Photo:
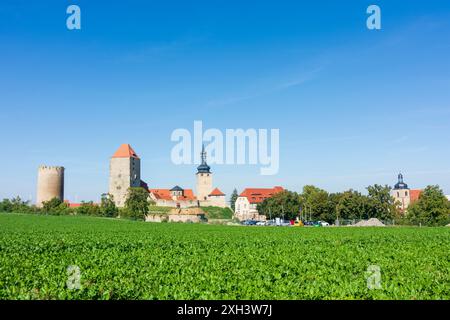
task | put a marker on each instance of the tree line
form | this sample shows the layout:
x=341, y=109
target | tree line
x=136, y=206
x=431, y=209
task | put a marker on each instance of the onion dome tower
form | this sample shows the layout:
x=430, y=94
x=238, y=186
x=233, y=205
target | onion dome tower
x=204, y=178
x=400, y=185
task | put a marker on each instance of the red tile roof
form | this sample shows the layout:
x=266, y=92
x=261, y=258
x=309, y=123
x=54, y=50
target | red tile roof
x=414, y=195
x=75, y=205
x=164, y=194
x=216, y=192
x=125, y=151
x=258, y=195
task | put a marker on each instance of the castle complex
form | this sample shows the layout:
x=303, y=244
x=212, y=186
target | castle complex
x=125, y=173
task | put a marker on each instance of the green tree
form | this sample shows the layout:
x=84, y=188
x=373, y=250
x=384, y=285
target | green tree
x=108, y=206
x=137, y=203
x=6, y=206
x=284, y=204
x=431, y=209
x=352, y=205
x=15, y=205
x=233, y=199
x=55, y=206
x=333, y=201
x=315, y=204
x=381, y=204
x=89, y=209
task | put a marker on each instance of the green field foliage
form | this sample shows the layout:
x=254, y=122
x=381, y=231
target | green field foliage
x=159, y=210
x=123, y=259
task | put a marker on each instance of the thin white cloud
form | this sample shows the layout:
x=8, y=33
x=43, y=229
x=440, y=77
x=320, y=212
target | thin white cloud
x=307, y=76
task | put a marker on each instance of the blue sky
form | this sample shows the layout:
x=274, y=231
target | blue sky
x=353, y=106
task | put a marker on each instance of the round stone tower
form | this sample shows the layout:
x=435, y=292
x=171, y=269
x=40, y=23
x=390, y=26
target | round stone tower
x=50, y=184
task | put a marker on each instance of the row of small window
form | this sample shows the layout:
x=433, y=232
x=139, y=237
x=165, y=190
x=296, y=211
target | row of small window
x=398, y=194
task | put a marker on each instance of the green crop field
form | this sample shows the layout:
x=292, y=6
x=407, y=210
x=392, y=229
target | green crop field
x=119, y=259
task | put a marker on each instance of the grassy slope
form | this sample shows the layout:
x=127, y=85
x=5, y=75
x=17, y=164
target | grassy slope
x=211, y=212
x=159, y=210
x=136, y=260
x=218, y=213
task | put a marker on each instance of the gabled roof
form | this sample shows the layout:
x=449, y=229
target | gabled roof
x=258, y=195
x=125, y=151
x=177, y=188
x=414, y=195
x=164, y=194
x=216, y=192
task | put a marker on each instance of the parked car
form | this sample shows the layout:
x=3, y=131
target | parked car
x=270, y=223
x=261, y=223
x=324, y=224
x=298, y=223
x=313, y=223
x=249, y=223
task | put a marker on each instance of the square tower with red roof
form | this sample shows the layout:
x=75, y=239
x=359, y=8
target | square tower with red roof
x=124, y=173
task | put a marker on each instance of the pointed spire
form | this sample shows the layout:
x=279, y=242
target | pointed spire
x=203, y=167
x=203, y=154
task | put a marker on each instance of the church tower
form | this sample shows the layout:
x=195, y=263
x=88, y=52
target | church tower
x=401, y=193
x=204, y=178
x=124, y=173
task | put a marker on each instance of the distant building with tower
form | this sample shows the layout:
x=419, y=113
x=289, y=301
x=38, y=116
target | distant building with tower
x=185, y=198
x=50, y=184
x=125, y=172
x=204, y=178
x=403, y=195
